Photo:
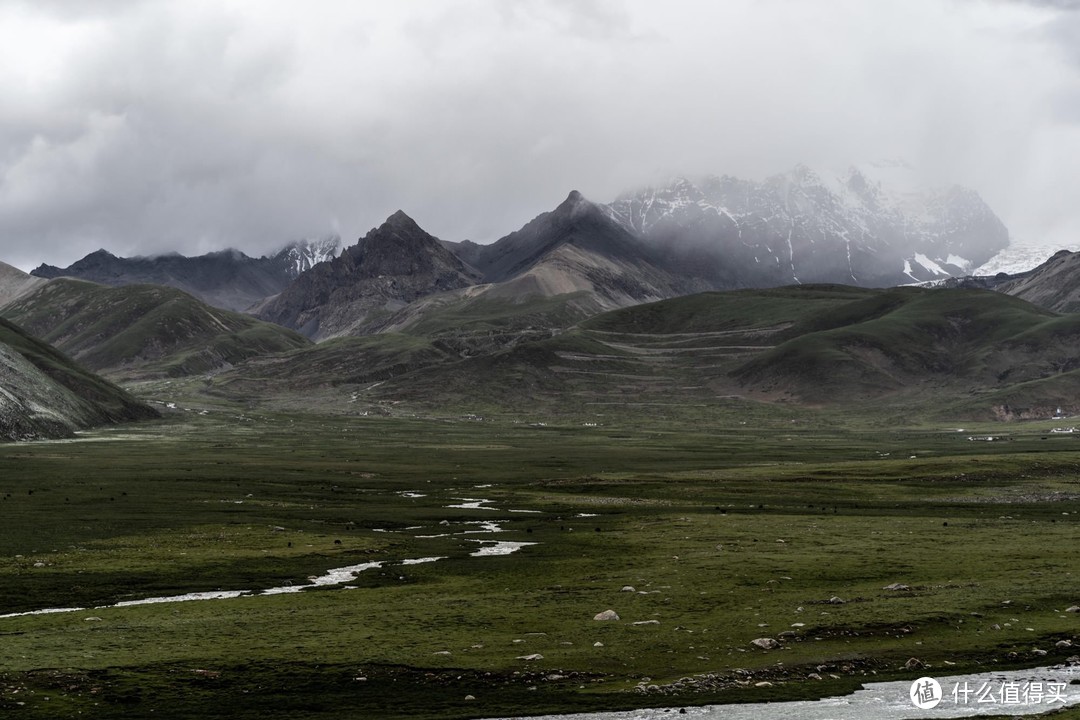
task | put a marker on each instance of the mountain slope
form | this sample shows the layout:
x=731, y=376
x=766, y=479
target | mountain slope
x=44, y=394
x=873, y=226
x=15, y=283
x=388, y=268
x=910, y=340
x=143, y=330
x=578, y=247
x=1054, y=285
x=967, y=352
x=228, y=279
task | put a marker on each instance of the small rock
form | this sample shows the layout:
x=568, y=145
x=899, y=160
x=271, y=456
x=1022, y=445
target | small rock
x=896, y=586
x=1074, y=608
x=995, y=626
x=763, y=683
x=766, y=643
x=598, y=644
x=787, y=634
x=1063, y=644
x=835, y=601
x=445, y=523
x=627, y=588
x=39, y=564
x=470, y=697
x=813, y=676
x=646, y=622
x=92, y=619
x=442, y=652
x=1038, y=652
x=606, y=615
x=534, y=656
x=914, y=664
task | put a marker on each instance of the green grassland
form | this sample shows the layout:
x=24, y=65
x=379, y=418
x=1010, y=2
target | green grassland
x=744, y=524
x=140, y=331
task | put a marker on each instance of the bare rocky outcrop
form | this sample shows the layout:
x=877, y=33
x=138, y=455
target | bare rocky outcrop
x=390, y=267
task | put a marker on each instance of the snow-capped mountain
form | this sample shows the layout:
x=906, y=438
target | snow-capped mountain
x=1021, y=256
x=871, y=225
x=302, y=255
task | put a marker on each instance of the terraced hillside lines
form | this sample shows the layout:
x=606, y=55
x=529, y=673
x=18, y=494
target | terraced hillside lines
x=670, y=364
x=144, y=330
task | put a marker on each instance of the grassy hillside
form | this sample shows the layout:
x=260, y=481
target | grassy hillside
x=144, y=330
x=724, y=311
x=909, y=339
x=45, y=394
x=930, y=351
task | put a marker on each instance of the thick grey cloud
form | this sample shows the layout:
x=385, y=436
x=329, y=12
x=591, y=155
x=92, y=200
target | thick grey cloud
x=193, y=125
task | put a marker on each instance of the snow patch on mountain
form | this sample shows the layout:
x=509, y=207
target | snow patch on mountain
x=1021, y=256
x=877, y=224
x=302, y=255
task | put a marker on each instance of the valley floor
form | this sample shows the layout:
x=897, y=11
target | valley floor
x=452, y=567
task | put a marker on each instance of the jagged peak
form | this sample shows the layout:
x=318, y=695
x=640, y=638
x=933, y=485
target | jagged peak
x=572, y=200
x=401, y=220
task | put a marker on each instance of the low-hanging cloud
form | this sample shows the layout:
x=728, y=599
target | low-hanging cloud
x=190, y=125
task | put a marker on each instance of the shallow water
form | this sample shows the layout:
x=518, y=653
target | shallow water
x=886, y=701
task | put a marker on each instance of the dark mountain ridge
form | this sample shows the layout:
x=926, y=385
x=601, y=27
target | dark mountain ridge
x=227, y=279
x=393, y=265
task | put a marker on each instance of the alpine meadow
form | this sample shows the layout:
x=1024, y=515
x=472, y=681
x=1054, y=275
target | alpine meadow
x=565, y=361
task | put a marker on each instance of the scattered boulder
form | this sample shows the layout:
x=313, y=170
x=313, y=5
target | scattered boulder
x=470, y=697
x=598, y=644
x=766, y=643
x=763, y=683
x=534, y=656
x=627, y=588
x=1039, y=652
x=914, y=664
x=1063, y=644
x=606, y=615
x=1073, y=609
x=896, y=586
x=834, y=600
x=647, y=622
x=787, y=634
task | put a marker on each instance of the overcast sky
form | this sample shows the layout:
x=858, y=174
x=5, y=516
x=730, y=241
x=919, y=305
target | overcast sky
x=149, y=126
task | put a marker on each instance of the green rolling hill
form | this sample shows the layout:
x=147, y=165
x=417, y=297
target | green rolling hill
x=140, y=331
x=44, y=394
x=951, y=351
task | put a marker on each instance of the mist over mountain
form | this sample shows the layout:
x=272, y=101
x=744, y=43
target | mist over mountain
x=872, y=226
x=876, y=225
x=227, y=279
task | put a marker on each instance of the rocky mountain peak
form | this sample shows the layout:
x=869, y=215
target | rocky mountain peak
x=399, y=220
